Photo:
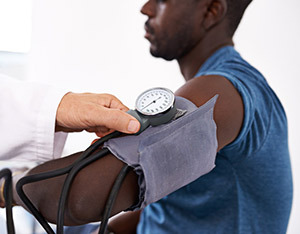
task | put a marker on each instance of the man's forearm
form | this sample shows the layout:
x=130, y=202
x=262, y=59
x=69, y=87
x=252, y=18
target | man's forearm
x=88, y=193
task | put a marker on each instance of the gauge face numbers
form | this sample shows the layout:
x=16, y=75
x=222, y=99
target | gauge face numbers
x=155, y=101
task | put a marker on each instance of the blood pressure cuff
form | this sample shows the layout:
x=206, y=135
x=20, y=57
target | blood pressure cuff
x=170, y=156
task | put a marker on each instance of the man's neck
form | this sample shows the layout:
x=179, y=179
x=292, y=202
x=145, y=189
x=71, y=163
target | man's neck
x=191, y=62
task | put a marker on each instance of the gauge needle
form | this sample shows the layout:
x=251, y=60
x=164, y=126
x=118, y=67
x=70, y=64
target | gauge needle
x=151, y=102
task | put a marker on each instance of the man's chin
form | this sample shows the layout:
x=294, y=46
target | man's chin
x=155, y=54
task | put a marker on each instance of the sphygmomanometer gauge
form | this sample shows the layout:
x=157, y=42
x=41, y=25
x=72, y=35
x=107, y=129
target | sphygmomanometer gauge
x=155, y=101
x=154, y=107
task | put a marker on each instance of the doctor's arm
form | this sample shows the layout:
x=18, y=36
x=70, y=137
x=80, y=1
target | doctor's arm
x=91, y=186
x=31, y=112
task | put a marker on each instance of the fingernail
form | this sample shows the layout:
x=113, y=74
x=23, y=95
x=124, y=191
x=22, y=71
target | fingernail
x=133, y=126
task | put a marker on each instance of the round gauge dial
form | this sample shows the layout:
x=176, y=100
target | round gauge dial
x=155, y=101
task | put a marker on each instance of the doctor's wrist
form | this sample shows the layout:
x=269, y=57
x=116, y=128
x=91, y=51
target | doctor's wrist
x=16, y=174
x=2, y=199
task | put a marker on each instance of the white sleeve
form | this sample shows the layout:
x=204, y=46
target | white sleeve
x=27, y=122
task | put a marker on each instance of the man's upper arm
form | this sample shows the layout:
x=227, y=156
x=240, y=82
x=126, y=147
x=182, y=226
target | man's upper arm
x=228, y=111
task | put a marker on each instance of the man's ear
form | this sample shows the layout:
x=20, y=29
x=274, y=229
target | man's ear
x=216, y=12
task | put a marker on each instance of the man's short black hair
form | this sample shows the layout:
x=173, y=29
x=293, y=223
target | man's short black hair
x=235, y=12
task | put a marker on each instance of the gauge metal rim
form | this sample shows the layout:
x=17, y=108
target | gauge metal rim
x=156, y=88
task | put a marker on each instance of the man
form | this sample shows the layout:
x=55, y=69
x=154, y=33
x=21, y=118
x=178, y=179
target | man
x=250, y=189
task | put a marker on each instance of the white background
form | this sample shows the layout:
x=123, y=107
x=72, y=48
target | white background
x=15, y=25
x=98, y=46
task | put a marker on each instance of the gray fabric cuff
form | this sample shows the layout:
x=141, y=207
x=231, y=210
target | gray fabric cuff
x=170, y=156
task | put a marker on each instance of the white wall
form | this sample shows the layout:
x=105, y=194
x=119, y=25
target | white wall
x=98, y=46
x=15, y=25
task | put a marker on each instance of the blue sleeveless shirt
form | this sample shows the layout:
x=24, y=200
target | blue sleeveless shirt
x=250, y=189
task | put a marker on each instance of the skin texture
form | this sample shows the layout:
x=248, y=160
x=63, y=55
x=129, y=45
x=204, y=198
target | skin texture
x=99, y=113
x=188, y=31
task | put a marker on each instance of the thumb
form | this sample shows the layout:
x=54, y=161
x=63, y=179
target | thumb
x=120, y=121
